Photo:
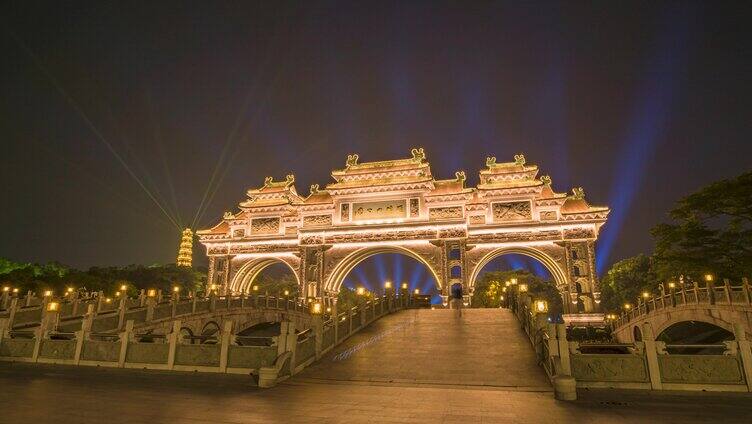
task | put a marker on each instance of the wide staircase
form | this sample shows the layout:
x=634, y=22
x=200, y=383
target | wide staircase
x=482, y=347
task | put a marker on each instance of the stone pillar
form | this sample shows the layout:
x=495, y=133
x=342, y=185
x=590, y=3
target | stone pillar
x=226, y=340
x=29, y=296
x=335, y=320
x=745, y=353
x=173, y=339
x=83, y=334
x=651, y=353
x=317, y=325
x=125, y=337
x=12, y=312
x=565, y=386
x=151, y=303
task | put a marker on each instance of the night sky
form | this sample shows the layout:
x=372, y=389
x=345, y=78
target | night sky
x=114, y=116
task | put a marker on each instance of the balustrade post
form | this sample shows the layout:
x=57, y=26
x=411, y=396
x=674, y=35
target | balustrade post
x=150, y=305
x=122, y=307
x=745, y=353
x=174, y=305
x=173, y=339
x=335, y=320
x=29, y=295
x=125, y=337
x=727, y=289
x=194, y=299
x=83, y=334
x=12, y=312
x=6, y=300
x=651, y=353
x=224, y=350
x=159, y=296
x=710, y=286
x=696, y=289
x=142, y=298
x=745, y=287
x=266, y=300
x=212, y=302
x=350, y=315
x=317, y=325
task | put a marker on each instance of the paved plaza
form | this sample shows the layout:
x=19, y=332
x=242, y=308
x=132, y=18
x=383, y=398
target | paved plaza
x=411, y=372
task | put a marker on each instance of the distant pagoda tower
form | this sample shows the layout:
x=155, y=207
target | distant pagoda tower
x=185, y=254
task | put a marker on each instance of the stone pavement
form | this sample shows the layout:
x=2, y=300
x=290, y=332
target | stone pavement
x=360, y=388
x=483, y=347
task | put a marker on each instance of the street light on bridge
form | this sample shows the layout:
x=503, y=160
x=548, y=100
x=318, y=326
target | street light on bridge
x=541, y=306
x=360, y=291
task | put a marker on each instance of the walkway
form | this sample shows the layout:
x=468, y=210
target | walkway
x=484, y=347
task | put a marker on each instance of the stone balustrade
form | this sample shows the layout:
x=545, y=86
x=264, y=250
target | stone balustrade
x=269, y=359
x=647, y=364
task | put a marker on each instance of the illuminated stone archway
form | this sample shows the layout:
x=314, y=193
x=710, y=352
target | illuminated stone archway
x=398, y=206
x=342, y=268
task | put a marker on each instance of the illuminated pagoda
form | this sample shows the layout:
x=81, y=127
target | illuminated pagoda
x=185, y=253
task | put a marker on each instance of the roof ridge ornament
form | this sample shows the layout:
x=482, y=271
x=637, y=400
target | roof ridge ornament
x=460, y=177
x=519, y=159
x=314, y=189
x=490, y=161
x=268, y=181
x=352, y=160
x=418, y=154
x=546, y=180
x=228, y=215
x=578, y=193
x=289, y=180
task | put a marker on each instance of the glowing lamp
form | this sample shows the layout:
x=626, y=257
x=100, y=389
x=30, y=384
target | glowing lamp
x=504, y=289
x=287, y=292
x=255, y=288
x=645, y=295
x=360, y=291
x=316, y=308
x=541, y=306
x=513, y=281
x=6, y=289
x=671, y=285
x=123, y=287
x=108, y=300
x=15, y=290
x=53, y=307
x=507, y=283
x=213, y=287
x=117, y=294
x=151, y=293
x=627, y=306
x=69, y=290
x=523, y=288
x=709, y=277
x=404, y=286
x=388, y=285
x=310, y=300
x=501, y=298
x=416, y=291
x=328, y=309
x=47, y=293
x=176, y=289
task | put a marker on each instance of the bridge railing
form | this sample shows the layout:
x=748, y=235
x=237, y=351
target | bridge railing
x=269, y=359
x=648, y=364
x=690, y=294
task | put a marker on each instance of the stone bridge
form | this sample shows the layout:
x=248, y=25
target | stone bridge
x=723, y=306
x=185, y=334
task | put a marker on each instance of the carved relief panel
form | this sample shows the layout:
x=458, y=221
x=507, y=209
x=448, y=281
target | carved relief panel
x=344, y=212
x=512, y=211
x=265, y=226
x=446, y=212
x=414, y=208
x=317, y=220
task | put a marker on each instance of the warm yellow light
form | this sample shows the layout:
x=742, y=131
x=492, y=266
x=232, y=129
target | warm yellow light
x=645, y=294
x=53, y=307
x=151, y=293
x=310, y=299
x=328, y=309
x=124, y=287
x=627, y=306
x=255, y=288
x=176, y=289
x=523, y=288
x=502, y=298
x=416, y=291
x=514, y=281
x=404, y=286
x=361, y=291
x=507, y=283
x=316, y=308
x=69, y=290
x=541, y=306
x=213, y=287
x=671, y=285
x=708, y=277
x=117, y=294
x=287, y=292
x=504, y=289
x=388, y=285
x=6, y=289
x=47, y=293
x=108, y=300
x=15, y=290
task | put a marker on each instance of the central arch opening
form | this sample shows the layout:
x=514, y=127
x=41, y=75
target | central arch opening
x=267, y=276
x=376, y=269
x=491, y=290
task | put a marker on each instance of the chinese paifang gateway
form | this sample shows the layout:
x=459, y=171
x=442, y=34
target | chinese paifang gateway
x=397, y=206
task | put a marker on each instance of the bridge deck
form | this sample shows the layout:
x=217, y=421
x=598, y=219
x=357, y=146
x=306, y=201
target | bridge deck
x=483, y=347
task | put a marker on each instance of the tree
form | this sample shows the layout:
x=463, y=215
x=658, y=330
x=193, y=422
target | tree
x=711, y=233
x=625, y=281
x=490, y=285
